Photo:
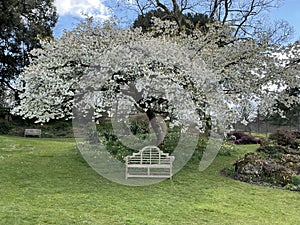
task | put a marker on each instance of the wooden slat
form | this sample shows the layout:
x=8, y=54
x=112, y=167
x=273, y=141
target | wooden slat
x=148, y=176
x=149, y=166
x=150, y=157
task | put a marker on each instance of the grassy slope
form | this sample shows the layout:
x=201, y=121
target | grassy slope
x=47, y=182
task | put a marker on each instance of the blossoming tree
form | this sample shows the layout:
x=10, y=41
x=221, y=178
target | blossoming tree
x=181, y=77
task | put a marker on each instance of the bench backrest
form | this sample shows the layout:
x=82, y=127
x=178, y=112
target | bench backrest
x=149, y=155
x=32, y=132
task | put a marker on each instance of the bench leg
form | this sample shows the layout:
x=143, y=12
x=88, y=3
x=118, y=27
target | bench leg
x=126, y=172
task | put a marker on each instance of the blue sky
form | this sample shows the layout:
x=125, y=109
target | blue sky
x=289, y=11
x=70, y=13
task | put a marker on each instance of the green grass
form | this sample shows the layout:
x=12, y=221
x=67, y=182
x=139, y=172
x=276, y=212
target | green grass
x=259, y=135
x=45, y=181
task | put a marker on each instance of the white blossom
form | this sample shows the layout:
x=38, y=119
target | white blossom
x=195, y=73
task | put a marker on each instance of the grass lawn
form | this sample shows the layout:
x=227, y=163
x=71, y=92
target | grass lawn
x=45, y=181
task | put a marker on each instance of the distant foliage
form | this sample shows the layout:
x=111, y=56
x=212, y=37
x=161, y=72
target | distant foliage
x=190, y=21
x=5, y=126
x=239, y=137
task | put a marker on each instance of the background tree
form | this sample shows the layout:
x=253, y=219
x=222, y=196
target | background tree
x=287, y=108
x=248, y=17
x=22, y=24
x=190, y=21
x=291, y=115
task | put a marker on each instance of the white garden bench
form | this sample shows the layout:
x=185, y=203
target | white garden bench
x=150, y=162
x=32, y=132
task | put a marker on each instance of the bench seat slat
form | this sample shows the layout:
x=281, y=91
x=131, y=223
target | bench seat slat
x=148, y=166
x=149, y=176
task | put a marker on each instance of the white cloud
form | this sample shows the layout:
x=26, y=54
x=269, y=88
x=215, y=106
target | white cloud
x=130, y=2
x=95, y=8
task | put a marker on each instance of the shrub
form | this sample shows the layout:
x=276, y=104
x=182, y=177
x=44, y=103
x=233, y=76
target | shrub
x=264, y=141
x=283, y=137
x=5, y=126
x=248, y=139
x=229, y=171
x=139, y=127
x=170, y=141
x=106, y=132
x=139, y=124
x=296, y=144
x=242, y=138
x=237, y=134
x=56, y=128
x=110, y=136
x=227, y=149
x=271, y=149
x=295, y=180
x=296, y=134
x=118, y=150
x=202, y=143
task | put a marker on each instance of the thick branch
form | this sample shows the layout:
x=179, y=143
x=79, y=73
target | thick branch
x=155, y=124
x=213, y=10
x=245, y=18
x=164, y=7
x=226, y=11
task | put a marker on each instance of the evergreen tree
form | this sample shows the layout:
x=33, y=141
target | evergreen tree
x=22, y=24
x=189, y=21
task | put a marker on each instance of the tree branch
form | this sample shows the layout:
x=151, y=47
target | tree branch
x=226, y=11
x=213, y=10
x=164, y=7
x=245, y=18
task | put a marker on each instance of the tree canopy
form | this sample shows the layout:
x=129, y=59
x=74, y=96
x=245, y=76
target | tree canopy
x=172, y=75
x=190, y=21
x=22, y=24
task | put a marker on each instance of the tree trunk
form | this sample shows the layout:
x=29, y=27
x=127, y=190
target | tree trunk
x=156, y=125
